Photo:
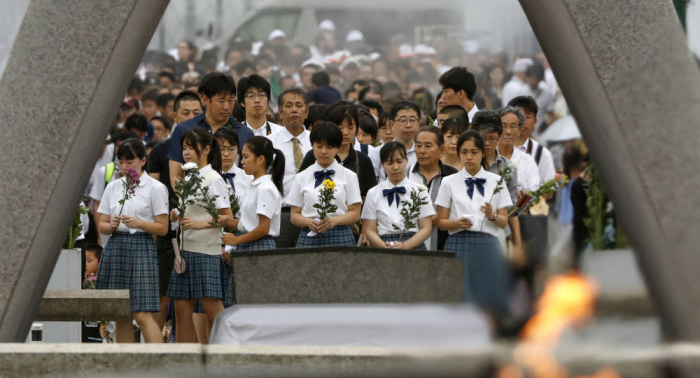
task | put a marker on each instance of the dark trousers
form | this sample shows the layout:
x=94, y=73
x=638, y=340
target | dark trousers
x=288, y=232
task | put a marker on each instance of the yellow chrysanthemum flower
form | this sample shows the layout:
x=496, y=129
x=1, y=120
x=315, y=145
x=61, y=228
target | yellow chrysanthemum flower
x=328, y=184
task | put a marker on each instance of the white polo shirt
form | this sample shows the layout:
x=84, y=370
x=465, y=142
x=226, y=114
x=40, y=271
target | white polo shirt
x=546, y=165
x=150, y=199
x=373, y=153
x=453, y=195
x=262, y=131
x=528, y=173
x=377, y=207
x=241, y=183
x=304, y=193
x=282, y=140
x=263, y=198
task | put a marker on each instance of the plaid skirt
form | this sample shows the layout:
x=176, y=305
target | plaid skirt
x=131, y=262
x=266, y=242
x=486, y=279
x=336, y=236
x=406, y=236
x=204, y=277
x=226, y=287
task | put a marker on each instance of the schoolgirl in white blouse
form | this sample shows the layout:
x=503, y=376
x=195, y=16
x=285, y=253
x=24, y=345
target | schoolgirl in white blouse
x=334, y=230
x=130, y=260
x=202, y=253
x=382, y=210
x=473, y=211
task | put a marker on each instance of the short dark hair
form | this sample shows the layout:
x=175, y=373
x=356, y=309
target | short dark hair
x=150, y=95
x=369, y=125
x=164, y=99
x=478, y=140
x=439, y=136
x=136, y=84
x=96, y=249
x=124, y=135
x=244, y=65
x=252, y=81
x=227, y=133
x=364, y=92
x=328, y=133
x=317, y=112
x=455, y=111
x=185, y=96
x=389, y=150
x=130, y=149
x=536, y=70
x=167, y=74
x=292, y=91
x=384, y=117
x=373, y=104
x=320, y=79
x=454, y=126
x=526, y=103
x=215, y=83
x=341, y=111
x=487, y=121
x=168, y=125
x=136, y=122
x=459, y=79
x=404, y=105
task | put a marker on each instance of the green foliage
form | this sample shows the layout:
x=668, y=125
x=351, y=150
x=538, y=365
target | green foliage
x=326, y=198
x=603, y=226
x=76, y=228
x=410, y=211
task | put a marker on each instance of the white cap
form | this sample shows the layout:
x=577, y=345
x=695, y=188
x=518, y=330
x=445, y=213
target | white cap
x=522, y=64
x=327, y=25
x=355, y=36
x=405, y=51
x=277, y=33
x=422, y=49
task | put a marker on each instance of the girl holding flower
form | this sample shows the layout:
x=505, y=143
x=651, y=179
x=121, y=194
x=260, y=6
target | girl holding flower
x=344, y=200
x=205, y=264
x=132, y=209
x=472, y=206
x=261, y=206
x=398, y=212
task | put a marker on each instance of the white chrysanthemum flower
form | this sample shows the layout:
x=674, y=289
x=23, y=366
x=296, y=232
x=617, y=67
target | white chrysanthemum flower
x=512, y=165
x=188, y=166
x=421, y=188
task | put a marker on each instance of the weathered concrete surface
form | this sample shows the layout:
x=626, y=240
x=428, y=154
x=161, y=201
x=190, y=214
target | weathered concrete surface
x=634, y=88
x=346, y=275
x=69, y=68
x=84, y=305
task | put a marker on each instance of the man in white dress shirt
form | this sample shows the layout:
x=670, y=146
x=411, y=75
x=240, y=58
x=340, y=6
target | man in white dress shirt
x=525, y=143
x=516, y=86
x=254, y=95
x=405, y=120
x=458, y=88
x=293, y=141
x=528, y=174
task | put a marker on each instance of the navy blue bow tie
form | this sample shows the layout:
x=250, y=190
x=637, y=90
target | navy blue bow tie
x=479, y=182
x=392, y=193
x=322, y=176
x=229, y=177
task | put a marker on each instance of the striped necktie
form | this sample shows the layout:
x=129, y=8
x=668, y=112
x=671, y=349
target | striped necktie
x=298, y=156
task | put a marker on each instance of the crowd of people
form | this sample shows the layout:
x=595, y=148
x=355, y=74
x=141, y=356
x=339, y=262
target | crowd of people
x=408, y=147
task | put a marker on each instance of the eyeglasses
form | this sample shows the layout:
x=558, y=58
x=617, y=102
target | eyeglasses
x=254, y=95
x=403, y=121
x=491, y=140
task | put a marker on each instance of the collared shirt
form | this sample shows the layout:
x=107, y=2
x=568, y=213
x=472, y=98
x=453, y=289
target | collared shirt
x=356, y=161
x=263, y=130
x=498, y=166
x=437, y=238
x=472, y=112
x=528, y=173
x=544, y=98
x=453, y=195
x=377, y=207
x=514, y=88
x=304, y=192
x=241, y=183
x=149, y=200
x=175, y=150
x=264, y=199
x=546, y=163
x=373, y=153
x=282, y=140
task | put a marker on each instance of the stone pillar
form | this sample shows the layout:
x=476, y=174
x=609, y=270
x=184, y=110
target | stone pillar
x=68, y=71
x=634, y=89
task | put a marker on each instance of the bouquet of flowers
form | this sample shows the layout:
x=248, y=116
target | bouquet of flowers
x=410, y=209
x=505, y=177
x=90, y=282
x=186, y=188
x=326, y=202
x=130, y=184
x=534, y=197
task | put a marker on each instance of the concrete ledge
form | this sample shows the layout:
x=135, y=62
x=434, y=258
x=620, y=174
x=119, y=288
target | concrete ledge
x=84, y=305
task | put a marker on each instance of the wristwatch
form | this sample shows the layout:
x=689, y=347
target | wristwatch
x=495, y=217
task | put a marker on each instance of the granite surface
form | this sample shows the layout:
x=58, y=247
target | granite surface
x=67, y=73
x=346, y=275
x=84, y=305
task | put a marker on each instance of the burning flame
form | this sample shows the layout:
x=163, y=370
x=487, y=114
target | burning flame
x=568, y=300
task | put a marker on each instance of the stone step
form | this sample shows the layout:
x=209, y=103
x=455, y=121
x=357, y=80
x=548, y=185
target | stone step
x=84, y=305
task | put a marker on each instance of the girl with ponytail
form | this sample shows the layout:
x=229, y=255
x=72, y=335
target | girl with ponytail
x=261, y=206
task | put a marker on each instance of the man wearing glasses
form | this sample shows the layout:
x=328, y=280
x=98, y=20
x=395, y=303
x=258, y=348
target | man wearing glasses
x=253, y=95
x=405, y=120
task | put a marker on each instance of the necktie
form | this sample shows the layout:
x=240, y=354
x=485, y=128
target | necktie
x=479, y=182
x=393, y=193
x=229, y=177
x=298, y=156
x=321, y=176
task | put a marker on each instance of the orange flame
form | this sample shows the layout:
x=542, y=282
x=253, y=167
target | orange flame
x=568, y=300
